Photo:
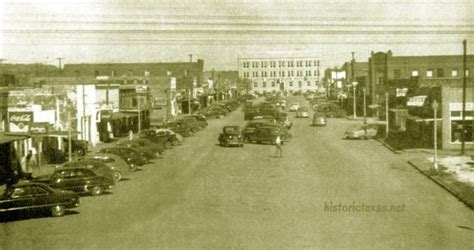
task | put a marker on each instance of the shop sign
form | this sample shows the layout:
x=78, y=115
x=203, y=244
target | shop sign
x=21, y=116
x=402, y=92
x=457, y=106
x=416, y=101
x=141, y=89
x=39, y=128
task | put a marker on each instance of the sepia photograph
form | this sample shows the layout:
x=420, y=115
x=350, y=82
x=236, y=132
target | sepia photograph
x=236, y=124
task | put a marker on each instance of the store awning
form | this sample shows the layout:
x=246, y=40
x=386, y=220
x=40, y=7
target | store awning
x=10, y=138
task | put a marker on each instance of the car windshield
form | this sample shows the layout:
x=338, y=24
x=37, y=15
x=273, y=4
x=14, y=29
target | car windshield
x=231, y=130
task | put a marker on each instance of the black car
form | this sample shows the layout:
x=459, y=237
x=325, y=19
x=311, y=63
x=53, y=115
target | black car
x=265, y=134
x=130, y=155
x=144, y=151
x=230, y=136
x=31, y=196
x=178, y=129
x=78, y=179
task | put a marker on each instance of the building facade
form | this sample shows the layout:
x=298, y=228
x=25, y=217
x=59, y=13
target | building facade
x=281, y=74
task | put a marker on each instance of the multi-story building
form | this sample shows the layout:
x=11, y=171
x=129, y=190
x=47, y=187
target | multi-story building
x=268, y=75
x=388, y=72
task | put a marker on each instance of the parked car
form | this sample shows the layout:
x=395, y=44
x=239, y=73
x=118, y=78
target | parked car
x=78, y=179
x=230, y=136
x=319, y=119
x=264, y=134
x=178, y=129
x=163, y=139
x=190, y=122
x=294, y=107
x=131, y=156
x=29, y=196
x=119, y=167
x=302, y=112
x=144, y=142
x=98, y=167
x=146, y=152
x=361, y=131
x=179, y=139
x=201, y=119
x=214, y=112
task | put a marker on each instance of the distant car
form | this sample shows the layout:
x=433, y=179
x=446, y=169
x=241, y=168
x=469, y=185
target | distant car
x=319, y=120
x=302, y=112
x=131, y=156
x=119, y=167
x=361, y=131
x=31, y=196
x=78, y=179
x=151, y=134
x=201, y=119
x=294, y=107
x=285, y=135
x=178, y=129
x=230, y=136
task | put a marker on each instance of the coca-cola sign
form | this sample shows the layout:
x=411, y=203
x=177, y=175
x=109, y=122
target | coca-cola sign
x=20, y=116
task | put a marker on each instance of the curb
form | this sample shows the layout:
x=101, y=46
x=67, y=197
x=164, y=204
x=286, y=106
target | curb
x=395, y=151
x=444, y=186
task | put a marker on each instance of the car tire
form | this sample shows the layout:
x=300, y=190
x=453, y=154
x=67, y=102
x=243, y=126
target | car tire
x=96, y=190
x=175, y=143
x=58, y=211
x=80, y=152
x=168, y=145
x=117, y=176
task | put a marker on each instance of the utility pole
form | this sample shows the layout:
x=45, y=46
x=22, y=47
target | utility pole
x=435, y=135
x=189, y=101
x=365, y=105
x=69, y=139
x=386, y=114
x=139, y=114
x=60, y=59
x=463, y=136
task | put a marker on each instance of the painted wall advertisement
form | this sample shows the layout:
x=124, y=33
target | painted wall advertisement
x=20, y=121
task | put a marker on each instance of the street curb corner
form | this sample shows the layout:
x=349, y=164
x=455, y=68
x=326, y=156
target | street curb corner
x=443, y=185
x=395, y=151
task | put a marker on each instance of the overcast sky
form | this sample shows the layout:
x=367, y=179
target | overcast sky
x=220, y=31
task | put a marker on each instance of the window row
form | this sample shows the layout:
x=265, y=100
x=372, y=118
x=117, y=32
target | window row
x=282, y=73
x=431, y=73
x=290, y=84
x=281, y=64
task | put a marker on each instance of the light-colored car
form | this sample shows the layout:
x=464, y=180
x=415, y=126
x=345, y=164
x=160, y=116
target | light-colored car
x=302, y=112
x=294, y=106
x=319, y=120
x=119, y=166
x=361, y=131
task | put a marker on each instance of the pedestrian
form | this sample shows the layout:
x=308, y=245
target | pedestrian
x=130, y=135
x=278, y=144
x=25, y=163
x=34, y=158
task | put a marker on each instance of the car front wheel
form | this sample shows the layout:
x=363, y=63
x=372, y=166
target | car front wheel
x=58, y=211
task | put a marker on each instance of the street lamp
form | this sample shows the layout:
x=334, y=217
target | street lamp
x=435, y=160
x=354, y=84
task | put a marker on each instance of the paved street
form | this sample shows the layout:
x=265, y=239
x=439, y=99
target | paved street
x=201, y=195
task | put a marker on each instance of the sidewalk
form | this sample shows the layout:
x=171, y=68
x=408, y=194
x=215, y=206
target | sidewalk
x=455, y=175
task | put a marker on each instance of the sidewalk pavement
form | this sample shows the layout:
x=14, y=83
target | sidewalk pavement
x=455, y=174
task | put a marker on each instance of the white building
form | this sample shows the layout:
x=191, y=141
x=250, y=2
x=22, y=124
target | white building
x=281, y=74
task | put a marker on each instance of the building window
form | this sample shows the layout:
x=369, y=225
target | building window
x=273, y=84
x=255, y=85
x=439, y=72
x=429, y=73
x=264, y=84
x=291, y=84
x=397, y=73
x=454, y=73
x=300, y=84
x=309, y=84
x=414, y=72
x=290, y=63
